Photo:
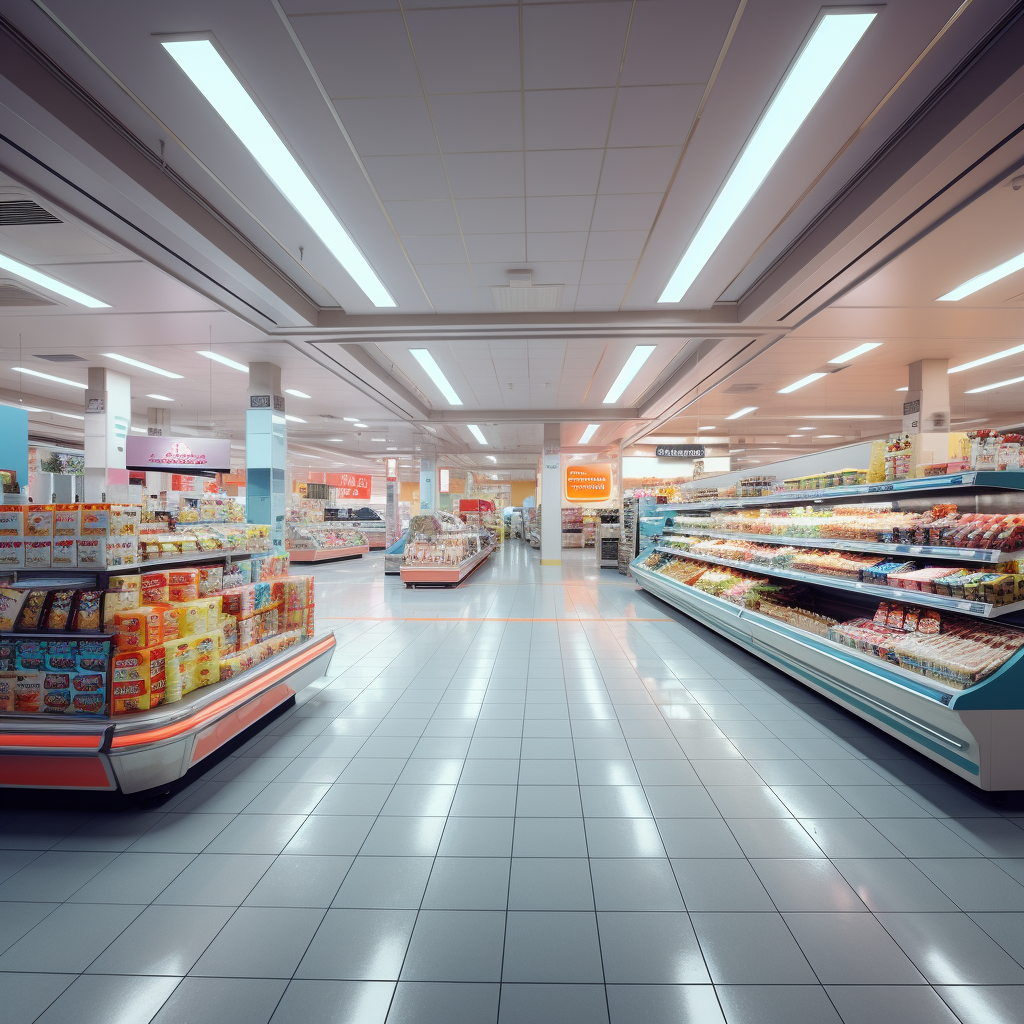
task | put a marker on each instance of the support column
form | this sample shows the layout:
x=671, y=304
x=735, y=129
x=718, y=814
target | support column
x=926, y=410
x=108, y=414
x=428, y=485
x=266, y=450
x=14, y=444
x=158, y=422
x=551, y=496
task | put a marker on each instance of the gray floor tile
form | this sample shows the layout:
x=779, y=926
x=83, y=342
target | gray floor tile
x=477, y=837
x=777, y=1004
x=804, y=884
x=334, y=835
x=55, y=875
x=548, y=802
x=975, y=885
x=663, y=1004
x=867, y=1004
x=229, y=796
x=16, y=919
x=384, y=883
x=217, y=880
x=25, y=996
x=1007, y=929
x=222, y=1001
x=881, y=802
x=106, y=999
x=404, y=837
x=549, y=837
x=993, y=837
x=553, y=1004
x=751, y=949
x=893, y=885
x=468, y=883
x=636, y=883
x=925, y=837
x=731, y=772
x=773, y=837
x=133, y=878
x=484, y=802
x=650, y=949
x=814, y=802
x=984, y=1004
x=623, y=837
x=494, y=771
x=257, y=833
x=312, y=769
x=359, y=945
x=181, y=833
x=259, y=942
x=354, y=798
x=293, y=881
x=340, y=1002
x=456, y=945
x=12, y=861
x=850, y=837
x=698, y=837
x=540, y=772
x=418, y=800
x=110, y=831
x=554, y=947
x=431, y=1002
x=681, y=802
x=748, y=802
x=786, y=773
x=721, y=885
x=550, y=883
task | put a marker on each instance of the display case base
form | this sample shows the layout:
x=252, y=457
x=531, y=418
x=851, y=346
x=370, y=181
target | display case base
x=140, y=752
x=442, y=575
x=327, y=554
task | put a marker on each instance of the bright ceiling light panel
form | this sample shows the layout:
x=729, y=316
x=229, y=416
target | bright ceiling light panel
x=380, y=439
x=294, y=419
x=903, y=389
x=637, y=358
x=476, y=432
x=427, y=361
x=987, y=359
x=817, y=63
x=223, y=360
x=998, y=384
x=66, y=415
x=742, y=412
x=858, y=351
x=210, y=74
x=139, y=430
x=707, y=428
x=142, y=366
x=50, y=283
x=975, y=284
x=161, y=398
x=493, y=458
x=350, y=419
x=297, y=394
x=50, y=376
x=361, y=426
x=589, y=432
x=801, y=383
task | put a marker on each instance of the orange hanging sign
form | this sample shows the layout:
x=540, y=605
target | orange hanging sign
x=588, y=483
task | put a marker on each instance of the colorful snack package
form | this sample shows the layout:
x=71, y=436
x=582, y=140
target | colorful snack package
x=32, y=610
x=88, y=610
x=39, y=521
x=58, y=609
x=10, y=605
x=95, y=521
x=65, y=521
x=881, y=614
x=64, y=553
x=56, y=693
x=155, y=588
x=28, y=693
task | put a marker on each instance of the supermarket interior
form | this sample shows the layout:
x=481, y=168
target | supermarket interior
x=513, y=512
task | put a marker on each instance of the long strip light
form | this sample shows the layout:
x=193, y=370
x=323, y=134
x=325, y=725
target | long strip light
x=294, y=419
x=998, y=384
x=223, y=360
x=297, y=394
x=817, y=63
x=141, y=365
x=742, y=412
x=975, y=284
x=476, y=432
x=50, y=283
x=50, y=376
x=801, y=383
x=987, y=359
x=858, y=351
x=637, y=358
x=589, y=432
x=427, y=361
x=161, y=398
x=210, y=74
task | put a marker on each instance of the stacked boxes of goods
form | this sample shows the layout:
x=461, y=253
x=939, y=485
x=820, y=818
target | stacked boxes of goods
x=54, y=675
x=68, y=536
x=157, y=541
x=572, y=527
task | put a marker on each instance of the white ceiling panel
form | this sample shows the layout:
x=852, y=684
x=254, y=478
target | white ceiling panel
x=646, y=169
x=615, y=245
x=479, y=123
x=408, y=177
x=507, y=248
x=563, y=172
x=572, y=118
x=625, y=212
x=445, y=275
x=491, y=216
x=543, y=273
x=561, y=213
x=600, y=296
x=457, y=300
x=607, y=272
x=421, y=217
x=435, y=248
x=485, y=175
x=654, y=115
x=300, y=7
x=384, y=126
x=556, y=245
x=573, y=45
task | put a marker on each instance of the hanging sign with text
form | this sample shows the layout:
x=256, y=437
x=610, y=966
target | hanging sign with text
x=675, y=451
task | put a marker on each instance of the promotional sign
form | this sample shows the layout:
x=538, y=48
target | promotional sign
x=355, y=485
x=686, y=451
x=444, y=480
x=178, y=454
x=588, y=483
x=392, y=469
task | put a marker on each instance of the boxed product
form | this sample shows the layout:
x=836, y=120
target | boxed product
x=12, y=553
x=138, y=680
x=211, y=579
x=39, y=520
x=65, y=521
x=38, y=553
x=10, y=607
x=155, y=587
x=50, y=675
x=64, y=553
x=94, y=521
x=183, y=584
x=12, y=520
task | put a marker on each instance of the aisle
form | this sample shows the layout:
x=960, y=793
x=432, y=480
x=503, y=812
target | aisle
x=542, y=798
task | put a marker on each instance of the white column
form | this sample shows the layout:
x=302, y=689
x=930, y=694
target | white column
x=108, y=415
x=551, y=496
x=428, y=485
x=266, y=450
x=926, y=410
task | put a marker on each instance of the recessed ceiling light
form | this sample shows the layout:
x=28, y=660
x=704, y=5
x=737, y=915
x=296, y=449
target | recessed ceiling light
x=139, y=430
x=986, y=359
x=794, y=435
x=848, y=416
x=637, y=358
x=801, y=383
x=161, y=398
x=858, y=351
x=350, y=419
x=825, y=437
x=223, y=360
x=50, y=376
x=806, y=428
x=297, y=394
x=815, y=66
x=141, y=365
x=305, y=455
x=476, y=432
x=493, y=458
x=903, y=389
x=380, y=439
x=707, y=428
x=210, y=74
x=361, y=426
x=50, y=283
x=998, y=384
x=427, y=361
x=391, y=449
x=294, y=419
x=742, y=412
x=975, y=284
x=588, y=433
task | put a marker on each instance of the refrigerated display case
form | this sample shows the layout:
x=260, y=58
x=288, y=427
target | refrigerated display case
x=369, y=521
x=321, y=542
x=441, y=550
x=901, y=601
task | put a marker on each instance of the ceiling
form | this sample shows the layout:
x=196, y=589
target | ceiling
x=582, y=141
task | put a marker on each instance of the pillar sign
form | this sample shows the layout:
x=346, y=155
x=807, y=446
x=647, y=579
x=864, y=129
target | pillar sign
x=108, y=414
x=392, y=469
x=444, y=477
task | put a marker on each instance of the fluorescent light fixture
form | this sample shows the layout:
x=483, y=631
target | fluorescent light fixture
x=801, y=383
x=848, y=416
x=350, y=419
x=361, y=426
x=986, y=359
x=735, y=451
x=294, y=419
x=306, y=455
x=825, y=437
x=161, y=398
x=493, y=458
x=589, y=432
x=50, y=376
x=858, y=351
x=637, y=358
x=210, y=74
x=139, y=430
x=707, y=428
x=297, y=394
x=903, y=389
x=476, y=432
x=66, y=415
x=794, y=435
x=391, y=449
x=806, y=428
x=998, y=384
x=742, y=412
x=380, y=439
x=141, y=365
x=279, y=420
x=426, y=360
x=815, y=66
x=975, y=284
x=50, y=283
x=223, y=360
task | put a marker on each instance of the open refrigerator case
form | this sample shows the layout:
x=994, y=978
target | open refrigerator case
x=309, y=538
x=370, y=522
x=441, y=550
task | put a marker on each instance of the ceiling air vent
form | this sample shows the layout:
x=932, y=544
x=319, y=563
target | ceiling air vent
x=62, y=357
x=741, y=389
x=522, y=296
x=12, y=294
x=18, y=212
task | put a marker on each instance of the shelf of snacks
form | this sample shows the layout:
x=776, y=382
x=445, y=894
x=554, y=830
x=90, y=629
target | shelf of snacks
x=441, y=550
x=320, y=542
x=209, y=508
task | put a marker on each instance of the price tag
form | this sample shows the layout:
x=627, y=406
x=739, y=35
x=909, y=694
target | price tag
x=873, y=488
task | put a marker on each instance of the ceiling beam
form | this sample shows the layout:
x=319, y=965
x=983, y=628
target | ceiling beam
x=485, y=416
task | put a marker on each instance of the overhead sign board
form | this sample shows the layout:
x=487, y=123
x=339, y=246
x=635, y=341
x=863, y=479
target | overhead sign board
x=179, y=454
x=588, y=483
x=675, y=451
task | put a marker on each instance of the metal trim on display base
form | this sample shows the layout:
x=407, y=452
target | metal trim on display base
x=443, y=575
x=327, y=554
x=133, y=753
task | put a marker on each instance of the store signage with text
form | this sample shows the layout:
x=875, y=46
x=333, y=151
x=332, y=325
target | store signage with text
x=672, y=451
x=588, y=483
x=392, y=469
x=178, y=454
x=354, y=485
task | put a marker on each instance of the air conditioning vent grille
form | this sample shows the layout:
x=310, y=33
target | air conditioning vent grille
x=741, y=389
x=522, y=300
x=62, y=357
x=12, y=294
x=20, y=212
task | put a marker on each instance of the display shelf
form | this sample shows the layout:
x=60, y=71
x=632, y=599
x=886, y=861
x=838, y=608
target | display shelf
x=328, y=554
x=979, y=609
x=443, y=575
x=150, y=749
x=986, y=556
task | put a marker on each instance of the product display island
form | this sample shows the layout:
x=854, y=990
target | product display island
x=322, y=542
x=442, y=551
x=908, y=612
x=368, y=521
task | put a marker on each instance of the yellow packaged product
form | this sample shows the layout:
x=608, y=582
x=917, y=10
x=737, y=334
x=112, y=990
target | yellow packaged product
x=193, y=618
x=179, y=667
x=207, y=658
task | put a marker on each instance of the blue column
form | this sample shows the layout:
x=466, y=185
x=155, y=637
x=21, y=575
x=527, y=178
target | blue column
x=266, y=450
x=14, y=442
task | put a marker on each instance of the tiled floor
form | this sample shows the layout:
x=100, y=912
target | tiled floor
x=543, y=797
